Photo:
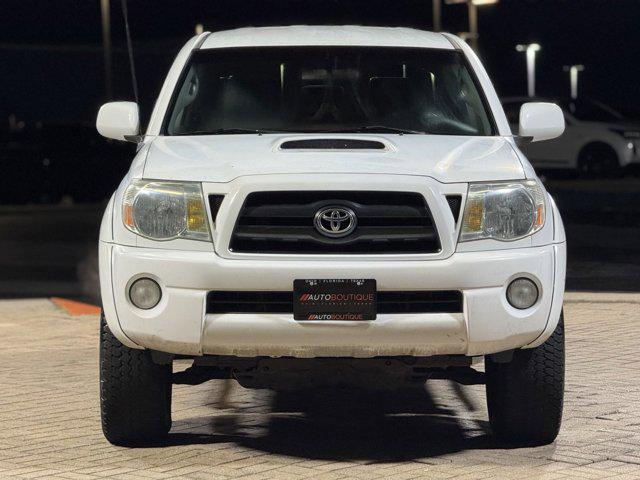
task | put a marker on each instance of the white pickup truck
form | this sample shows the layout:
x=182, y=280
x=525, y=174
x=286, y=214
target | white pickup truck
x=312, y=205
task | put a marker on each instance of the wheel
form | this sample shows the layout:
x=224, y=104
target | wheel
x=598, y=160
x=525, y=395
x=135, y=393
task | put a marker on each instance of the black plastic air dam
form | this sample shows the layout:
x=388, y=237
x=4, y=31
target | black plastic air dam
x=439, y=301
x=332, y=144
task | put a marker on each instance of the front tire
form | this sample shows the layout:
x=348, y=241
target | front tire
x=525, y=396
x=135, y=393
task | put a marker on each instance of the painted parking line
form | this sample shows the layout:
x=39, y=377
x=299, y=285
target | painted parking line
x=75, y=308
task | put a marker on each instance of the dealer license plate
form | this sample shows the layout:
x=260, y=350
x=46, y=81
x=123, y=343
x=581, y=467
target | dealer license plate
x=340, y=299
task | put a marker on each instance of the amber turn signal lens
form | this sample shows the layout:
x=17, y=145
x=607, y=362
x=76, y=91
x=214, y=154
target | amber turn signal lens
x=196, y=216
x=472, y=221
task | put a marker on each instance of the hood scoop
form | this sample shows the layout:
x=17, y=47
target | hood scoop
x=332, y=144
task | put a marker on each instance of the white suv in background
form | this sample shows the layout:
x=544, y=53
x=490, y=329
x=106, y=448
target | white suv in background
x=317, y=205
x=598, y=141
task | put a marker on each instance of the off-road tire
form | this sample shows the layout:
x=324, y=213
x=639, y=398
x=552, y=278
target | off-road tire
x=525, y=395
x=135, y=393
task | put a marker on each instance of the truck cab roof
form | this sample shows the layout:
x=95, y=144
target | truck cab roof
x=322, y=35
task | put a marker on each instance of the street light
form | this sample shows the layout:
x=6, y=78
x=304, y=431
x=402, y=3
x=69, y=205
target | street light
x=530, y=51
x=472, y=6
x=573, y=70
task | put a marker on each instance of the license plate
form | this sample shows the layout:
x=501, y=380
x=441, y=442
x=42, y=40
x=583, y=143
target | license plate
x=340, y=299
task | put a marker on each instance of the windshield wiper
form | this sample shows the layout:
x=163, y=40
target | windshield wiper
x=376, y=129
x=228, y=131
x=260, y=131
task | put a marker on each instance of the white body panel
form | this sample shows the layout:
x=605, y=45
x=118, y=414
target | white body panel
x=223, y=158
x=236, y=165
x=311, y=35
x=179, y=323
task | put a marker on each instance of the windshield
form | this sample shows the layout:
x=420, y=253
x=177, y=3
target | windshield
x=328, y=89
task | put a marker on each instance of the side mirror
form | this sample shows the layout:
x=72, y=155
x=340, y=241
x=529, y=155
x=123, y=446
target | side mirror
x=541, y=121
x=119, y=120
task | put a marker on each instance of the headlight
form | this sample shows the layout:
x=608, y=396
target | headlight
x=503, y=211
x=165, y=210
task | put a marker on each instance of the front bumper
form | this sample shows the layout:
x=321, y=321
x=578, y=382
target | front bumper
x=179, y=323
x=628, y=152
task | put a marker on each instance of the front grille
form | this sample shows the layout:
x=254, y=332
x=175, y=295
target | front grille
x=215, y=202
x=283, y=222
x=440, y=301
x=455, y=201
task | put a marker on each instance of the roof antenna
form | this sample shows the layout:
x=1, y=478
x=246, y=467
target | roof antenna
x=125, y=13
x=132, y=66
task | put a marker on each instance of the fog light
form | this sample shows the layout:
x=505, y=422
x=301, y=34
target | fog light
x=145, y=293
x=522, y=293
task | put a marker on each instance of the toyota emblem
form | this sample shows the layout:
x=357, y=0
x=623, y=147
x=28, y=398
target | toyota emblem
x=335, y=222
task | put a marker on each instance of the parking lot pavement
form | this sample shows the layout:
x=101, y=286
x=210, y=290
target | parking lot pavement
x=49, y=419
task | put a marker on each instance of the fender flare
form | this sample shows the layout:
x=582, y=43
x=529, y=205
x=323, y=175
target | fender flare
x=106, y=282
x=559, y=275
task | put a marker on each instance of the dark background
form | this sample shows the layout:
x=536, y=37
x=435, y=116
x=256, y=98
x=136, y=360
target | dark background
x=57, y=172
x=52, y=71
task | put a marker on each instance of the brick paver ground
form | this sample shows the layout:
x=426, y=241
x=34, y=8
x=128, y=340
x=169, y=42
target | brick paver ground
x=49, y=421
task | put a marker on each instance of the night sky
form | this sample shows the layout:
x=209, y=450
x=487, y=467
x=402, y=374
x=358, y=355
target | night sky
x=51, y=63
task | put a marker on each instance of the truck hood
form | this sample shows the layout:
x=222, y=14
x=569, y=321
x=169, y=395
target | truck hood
x=222, y=158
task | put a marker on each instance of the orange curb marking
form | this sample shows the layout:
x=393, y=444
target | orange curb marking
x=76, y=308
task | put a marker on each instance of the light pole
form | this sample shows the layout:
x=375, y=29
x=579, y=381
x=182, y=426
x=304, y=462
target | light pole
x=472, y=7
x=472, y=12
x=530, y=51
x=437, y=15
x=106, y=48
x=573, y=70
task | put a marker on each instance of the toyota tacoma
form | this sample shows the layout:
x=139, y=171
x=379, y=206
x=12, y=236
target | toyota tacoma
x=314, y=206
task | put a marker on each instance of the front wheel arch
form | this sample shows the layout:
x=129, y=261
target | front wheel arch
x=598, y=159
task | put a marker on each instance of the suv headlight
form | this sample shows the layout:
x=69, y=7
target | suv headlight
x=503, y=211
x=165, y=210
